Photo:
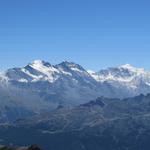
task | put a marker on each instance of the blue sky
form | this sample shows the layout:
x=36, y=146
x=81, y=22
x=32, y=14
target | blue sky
x=93, y=33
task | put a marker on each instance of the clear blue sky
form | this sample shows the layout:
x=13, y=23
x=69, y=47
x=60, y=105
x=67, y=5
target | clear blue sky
x=93, y=33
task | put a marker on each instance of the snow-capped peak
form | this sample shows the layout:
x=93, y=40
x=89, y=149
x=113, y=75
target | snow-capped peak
x=71, y=66
x=46, y=69
x=38, y=62
x=130, y=67
x=127, y=66
x=40, y=70
x=133, y=69
x=124, y=73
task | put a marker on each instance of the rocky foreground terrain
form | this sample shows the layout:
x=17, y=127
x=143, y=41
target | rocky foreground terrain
x=102, y=124
x=33, y=147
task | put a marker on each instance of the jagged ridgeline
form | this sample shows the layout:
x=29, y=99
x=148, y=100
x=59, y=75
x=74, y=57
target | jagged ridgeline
x=41, y=87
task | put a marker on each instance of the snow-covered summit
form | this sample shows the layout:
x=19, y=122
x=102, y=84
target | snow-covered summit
x=124, y=73
x=40, y=70
x=133, y=69
x=127, y=66
x=71, y=66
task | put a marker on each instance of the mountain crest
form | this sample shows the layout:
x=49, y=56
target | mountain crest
x=71, y=66
x=132, y=68
x=127, y=66
x=38, y=63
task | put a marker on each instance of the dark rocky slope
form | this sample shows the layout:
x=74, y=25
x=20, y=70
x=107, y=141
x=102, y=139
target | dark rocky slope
x=103, y=124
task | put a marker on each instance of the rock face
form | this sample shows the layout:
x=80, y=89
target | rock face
x=32, y=147
x=102, y=124
x=41, y=87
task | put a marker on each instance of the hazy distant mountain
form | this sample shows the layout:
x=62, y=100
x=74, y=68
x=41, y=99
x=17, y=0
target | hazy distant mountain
x=103, y=124
x=41, y=87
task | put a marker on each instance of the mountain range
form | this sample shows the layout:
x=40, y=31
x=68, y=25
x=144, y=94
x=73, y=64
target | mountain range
x=41, y=87
x=101, y=124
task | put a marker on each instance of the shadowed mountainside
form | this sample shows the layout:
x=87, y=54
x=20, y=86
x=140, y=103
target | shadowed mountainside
x=102, y=124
